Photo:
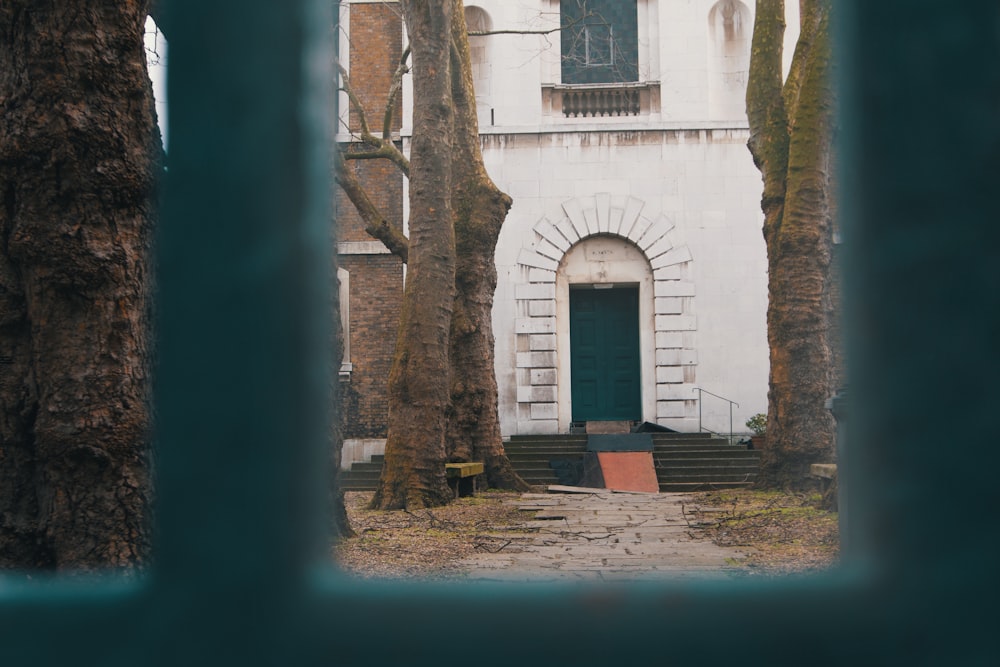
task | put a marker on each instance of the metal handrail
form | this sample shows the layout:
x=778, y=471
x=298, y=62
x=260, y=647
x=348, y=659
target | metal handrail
x=723, y=398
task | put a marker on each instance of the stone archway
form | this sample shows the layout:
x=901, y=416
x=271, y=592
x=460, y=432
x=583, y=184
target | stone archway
x=668, y=325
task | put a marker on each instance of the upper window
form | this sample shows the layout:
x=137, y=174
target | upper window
x=599, y=41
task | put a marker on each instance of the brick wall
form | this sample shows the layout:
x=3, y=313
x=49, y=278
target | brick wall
x=375, y=49
x=375, y=300
x=376, y=284
x=384, y=184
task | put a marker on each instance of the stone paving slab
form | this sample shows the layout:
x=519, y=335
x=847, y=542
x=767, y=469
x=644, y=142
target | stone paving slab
x=604, y=536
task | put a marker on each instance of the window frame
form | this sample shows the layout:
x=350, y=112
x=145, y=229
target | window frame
x=240, y=574
x=576, y=37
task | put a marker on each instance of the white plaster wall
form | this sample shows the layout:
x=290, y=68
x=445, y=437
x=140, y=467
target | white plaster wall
x=701, y=181
x=674, y=50
x=686, y=168
x=360, y=450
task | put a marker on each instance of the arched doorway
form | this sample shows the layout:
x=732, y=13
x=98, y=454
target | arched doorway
x=603, y=243
x=605, y=374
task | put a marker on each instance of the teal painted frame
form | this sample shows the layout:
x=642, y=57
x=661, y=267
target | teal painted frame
x=615, y=315
x=239, y=575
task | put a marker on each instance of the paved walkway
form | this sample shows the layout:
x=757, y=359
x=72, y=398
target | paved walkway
x=603, y=536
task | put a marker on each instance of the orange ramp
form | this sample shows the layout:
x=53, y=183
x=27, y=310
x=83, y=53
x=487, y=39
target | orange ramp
x=628, y=471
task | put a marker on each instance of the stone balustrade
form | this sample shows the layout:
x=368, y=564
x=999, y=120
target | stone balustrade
x=602, y=100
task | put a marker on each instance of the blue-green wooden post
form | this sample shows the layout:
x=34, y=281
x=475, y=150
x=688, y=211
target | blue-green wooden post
x=242, y=385
x=242, y=402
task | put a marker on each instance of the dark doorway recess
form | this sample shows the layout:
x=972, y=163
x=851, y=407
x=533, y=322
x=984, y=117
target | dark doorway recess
x=604, y=353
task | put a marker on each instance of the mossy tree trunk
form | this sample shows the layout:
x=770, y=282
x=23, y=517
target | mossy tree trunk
x=78, y=147
x=413, y=474
x=791, y=129
x=478, y=211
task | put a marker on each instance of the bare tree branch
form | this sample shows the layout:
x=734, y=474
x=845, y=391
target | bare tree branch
x=376, y=224
x=359, y=108
x=569, y=24
x=394, y=89
x=383, y=147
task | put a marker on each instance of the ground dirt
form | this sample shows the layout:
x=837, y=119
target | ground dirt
x=782, y=533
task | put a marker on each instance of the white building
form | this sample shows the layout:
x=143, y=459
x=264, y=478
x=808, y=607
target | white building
x=632, y=268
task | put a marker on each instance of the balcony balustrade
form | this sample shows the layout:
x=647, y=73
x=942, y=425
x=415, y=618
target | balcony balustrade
x=602, y=100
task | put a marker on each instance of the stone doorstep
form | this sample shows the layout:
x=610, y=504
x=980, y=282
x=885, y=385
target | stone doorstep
x=606, y=427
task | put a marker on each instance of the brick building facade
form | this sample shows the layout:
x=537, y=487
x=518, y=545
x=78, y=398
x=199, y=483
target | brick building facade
x=374, y=278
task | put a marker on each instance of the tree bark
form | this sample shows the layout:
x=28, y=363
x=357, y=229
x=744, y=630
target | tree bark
x=77, y=181
x=791, y=129
x=413, y=473
x=479, y=210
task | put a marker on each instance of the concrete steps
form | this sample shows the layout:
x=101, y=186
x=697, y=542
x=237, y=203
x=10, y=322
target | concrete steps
x=684, y=461
x=687, y=464
x=362, y=476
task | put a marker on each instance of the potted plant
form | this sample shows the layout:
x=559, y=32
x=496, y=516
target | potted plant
x=758, y=426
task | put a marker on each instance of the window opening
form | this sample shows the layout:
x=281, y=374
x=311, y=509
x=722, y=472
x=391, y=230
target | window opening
x=599, y=41
x=232, y=536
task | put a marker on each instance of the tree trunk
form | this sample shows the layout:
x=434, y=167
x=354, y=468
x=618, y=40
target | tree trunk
x=77, y=178
x=479, y=210
x=413, y=473
x=791, y=130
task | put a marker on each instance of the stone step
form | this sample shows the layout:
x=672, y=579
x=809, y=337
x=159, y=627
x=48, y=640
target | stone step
x=666, y=455
x=687, y=487
x=555, y=437
x=580, y=447
x=583, y=438
x=699, y=446
x=706, y=476
x=540, y=479
x=366, y=467
x=527, y=457
x=726, y=467
x=706, y=460
x=546, y=447
x=684, y=461
x=358, y=486
x=358, y=478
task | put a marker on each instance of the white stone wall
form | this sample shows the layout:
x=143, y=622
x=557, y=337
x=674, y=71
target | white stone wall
x=673, y=189
x=681, y=47
x=682, y=207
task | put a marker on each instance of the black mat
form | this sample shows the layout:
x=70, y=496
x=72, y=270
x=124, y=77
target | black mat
x=569, y=472
x=593, y=476
x=649, y=427
x=620, y=442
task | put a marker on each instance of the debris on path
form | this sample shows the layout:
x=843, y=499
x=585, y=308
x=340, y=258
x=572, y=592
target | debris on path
x=508, y=536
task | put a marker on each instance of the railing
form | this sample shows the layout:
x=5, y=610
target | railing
x=602, y=100
x=723, y=398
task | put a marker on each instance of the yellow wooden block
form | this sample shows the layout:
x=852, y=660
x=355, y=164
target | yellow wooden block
x=463, y=469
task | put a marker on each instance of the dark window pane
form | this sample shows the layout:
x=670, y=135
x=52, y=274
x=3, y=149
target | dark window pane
x=599, y=41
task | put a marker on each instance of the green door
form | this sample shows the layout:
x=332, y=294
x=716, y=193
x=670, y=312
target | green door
x=604, y=353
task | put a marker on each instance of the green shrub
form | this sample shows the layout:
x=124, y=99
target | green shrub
x=758, y=424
